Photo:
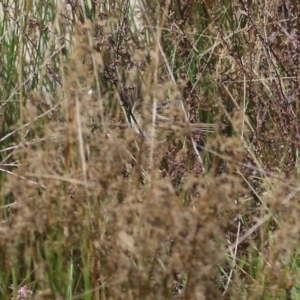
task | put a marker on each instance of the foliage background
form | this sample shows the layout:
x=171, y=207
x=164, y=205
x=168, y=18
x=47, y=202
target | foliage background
x=149, y=149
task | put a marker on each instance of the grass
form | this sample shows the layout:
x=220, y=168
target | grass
x=149, y=151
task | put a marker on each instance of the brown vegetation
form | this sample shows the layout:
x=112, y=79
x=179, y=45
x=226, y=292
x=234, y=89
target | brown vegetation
x=157, y=161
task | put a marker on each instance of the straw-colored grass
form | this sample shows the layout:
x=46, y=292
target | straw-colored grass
x=149, y=149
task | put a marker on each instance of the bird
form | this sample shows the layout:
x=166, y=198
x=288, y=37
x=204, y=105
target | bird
x=169, y=118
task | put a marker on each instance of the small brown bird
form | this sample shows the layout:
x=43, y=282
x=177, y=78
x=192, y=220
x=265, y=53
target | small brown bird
x=169, y=117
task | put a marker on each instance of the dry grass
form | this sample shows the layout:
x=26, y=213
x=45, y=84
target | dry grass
x=149, y=152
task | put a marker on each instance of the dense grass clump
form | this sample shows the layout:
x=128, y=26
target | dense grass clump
x=149, y=149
